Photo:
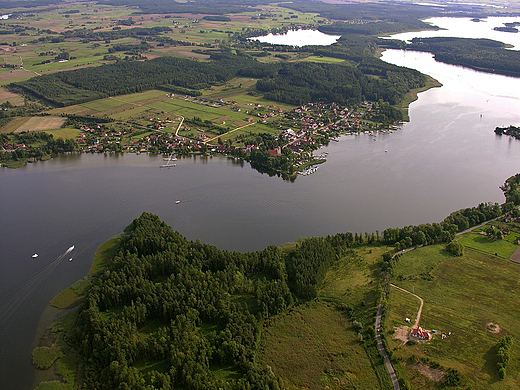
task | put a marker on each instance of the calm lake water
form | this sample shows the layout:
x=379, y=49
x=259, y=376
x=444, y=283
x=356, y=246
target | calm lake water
x=466, y=28
x=447, y=157
x=299, y=38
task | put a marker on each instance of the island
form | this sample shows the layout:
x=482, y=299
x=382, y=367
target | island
x=512, y=131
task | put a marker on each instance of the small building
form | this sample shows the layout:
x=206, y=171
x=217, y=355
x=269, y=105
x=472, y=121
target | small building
x=420, y=333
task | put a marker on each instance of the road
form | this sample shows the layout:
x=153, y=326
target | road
x=389, y=367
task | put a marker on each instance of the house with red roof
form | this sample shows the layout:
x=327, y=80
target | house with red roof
x=420, y=333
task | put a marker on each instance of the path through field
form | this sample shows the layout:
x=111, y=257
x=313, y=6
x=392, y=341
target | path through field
x=418, y=297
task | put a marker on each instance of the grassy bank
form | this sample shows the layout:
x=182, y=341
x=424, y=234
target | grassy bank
x=53, y=351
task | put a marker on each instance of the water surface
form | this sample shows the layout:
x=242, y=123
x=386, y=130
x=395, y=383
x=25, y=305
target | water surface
x=299, y=38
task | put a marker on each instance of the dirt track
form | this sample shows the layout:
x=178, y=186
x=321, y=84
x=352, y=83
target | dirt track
x=418, y=297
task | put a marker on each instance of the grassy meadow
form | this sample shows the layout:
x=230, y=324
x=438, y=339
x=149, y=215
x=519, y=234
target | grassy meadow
x=313, y=346
x=502, y=248
x=316, y=345
x=465, y=296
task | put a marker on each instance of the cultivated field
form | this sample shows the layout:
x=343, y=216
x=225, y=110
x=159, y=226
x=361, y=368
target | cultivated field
x=39, y=123
x=13, y=98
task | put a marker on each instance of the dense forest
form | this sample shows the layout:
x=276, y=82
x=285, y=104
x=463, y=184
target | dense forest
x=293, y=83
x=188, y=309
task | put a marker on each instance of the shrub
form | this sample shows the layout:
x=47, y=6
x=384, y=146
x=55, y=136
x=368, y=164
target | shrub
x=455, y=248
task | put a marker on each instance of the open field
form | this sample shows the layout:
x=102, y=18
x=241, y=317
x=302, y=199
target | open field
x=13, y=98
x=39, y=123
x=14, y=124
x=462, y=295
x=503, y=248
x=314, y=346
x=322, y=60
x=35, y=123
x=64, y=133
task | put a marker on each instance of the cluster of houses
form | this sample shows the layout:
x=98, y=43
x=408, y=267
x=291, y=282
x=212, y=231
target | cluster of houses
x=332, y=117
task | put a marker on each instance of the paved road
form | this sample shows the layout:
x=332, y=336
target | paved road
x=382, y=350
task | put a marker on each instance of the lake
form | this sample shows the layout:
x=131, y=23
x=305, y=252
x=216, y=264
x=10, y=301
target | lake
x=446, y=158
x=466, y=28
x=299, y=38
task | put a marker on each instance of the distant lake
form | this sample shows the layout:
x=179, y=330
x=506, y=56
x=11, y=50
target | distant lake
x=466, y=28
x=446, y=158
x=299, y=38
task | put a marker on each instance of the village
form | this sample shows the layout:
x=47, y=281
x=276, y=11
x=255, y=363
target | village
x=294, y=134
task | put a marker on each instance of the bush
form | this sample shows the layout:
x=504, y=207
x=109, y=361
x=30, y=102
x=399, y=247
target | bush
x=452, y=378
x=455, y=248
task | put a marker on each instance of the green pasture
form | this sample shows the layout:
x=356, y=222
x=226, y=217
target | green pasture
x=65, y=133
x=350, y=279
x=503, y=248
x=411, y=267
x=462, y=295
x=323, y=60
x=141, y=97
x=104, y=105
x=129, y=113
x=401, y=306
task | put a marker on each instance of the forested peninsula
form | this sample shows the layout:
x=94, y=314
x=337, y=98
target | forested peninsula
x=163, y=312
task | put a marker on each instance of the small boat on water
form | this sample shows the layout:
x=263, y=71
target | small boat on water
x=35, y=256
x=177, y=201
x=70, y=259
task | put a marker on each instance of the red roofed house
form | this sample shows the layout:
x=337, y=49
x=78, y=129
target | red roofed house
x=420, y=333
x=276, y=151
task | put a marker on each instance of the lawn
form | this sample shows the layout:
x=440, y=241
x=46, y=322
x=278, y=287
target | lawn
x=462, y=295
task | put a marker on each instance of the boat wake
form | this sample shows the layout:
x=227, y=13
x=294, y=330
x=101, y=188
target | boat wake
x=15, y=305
